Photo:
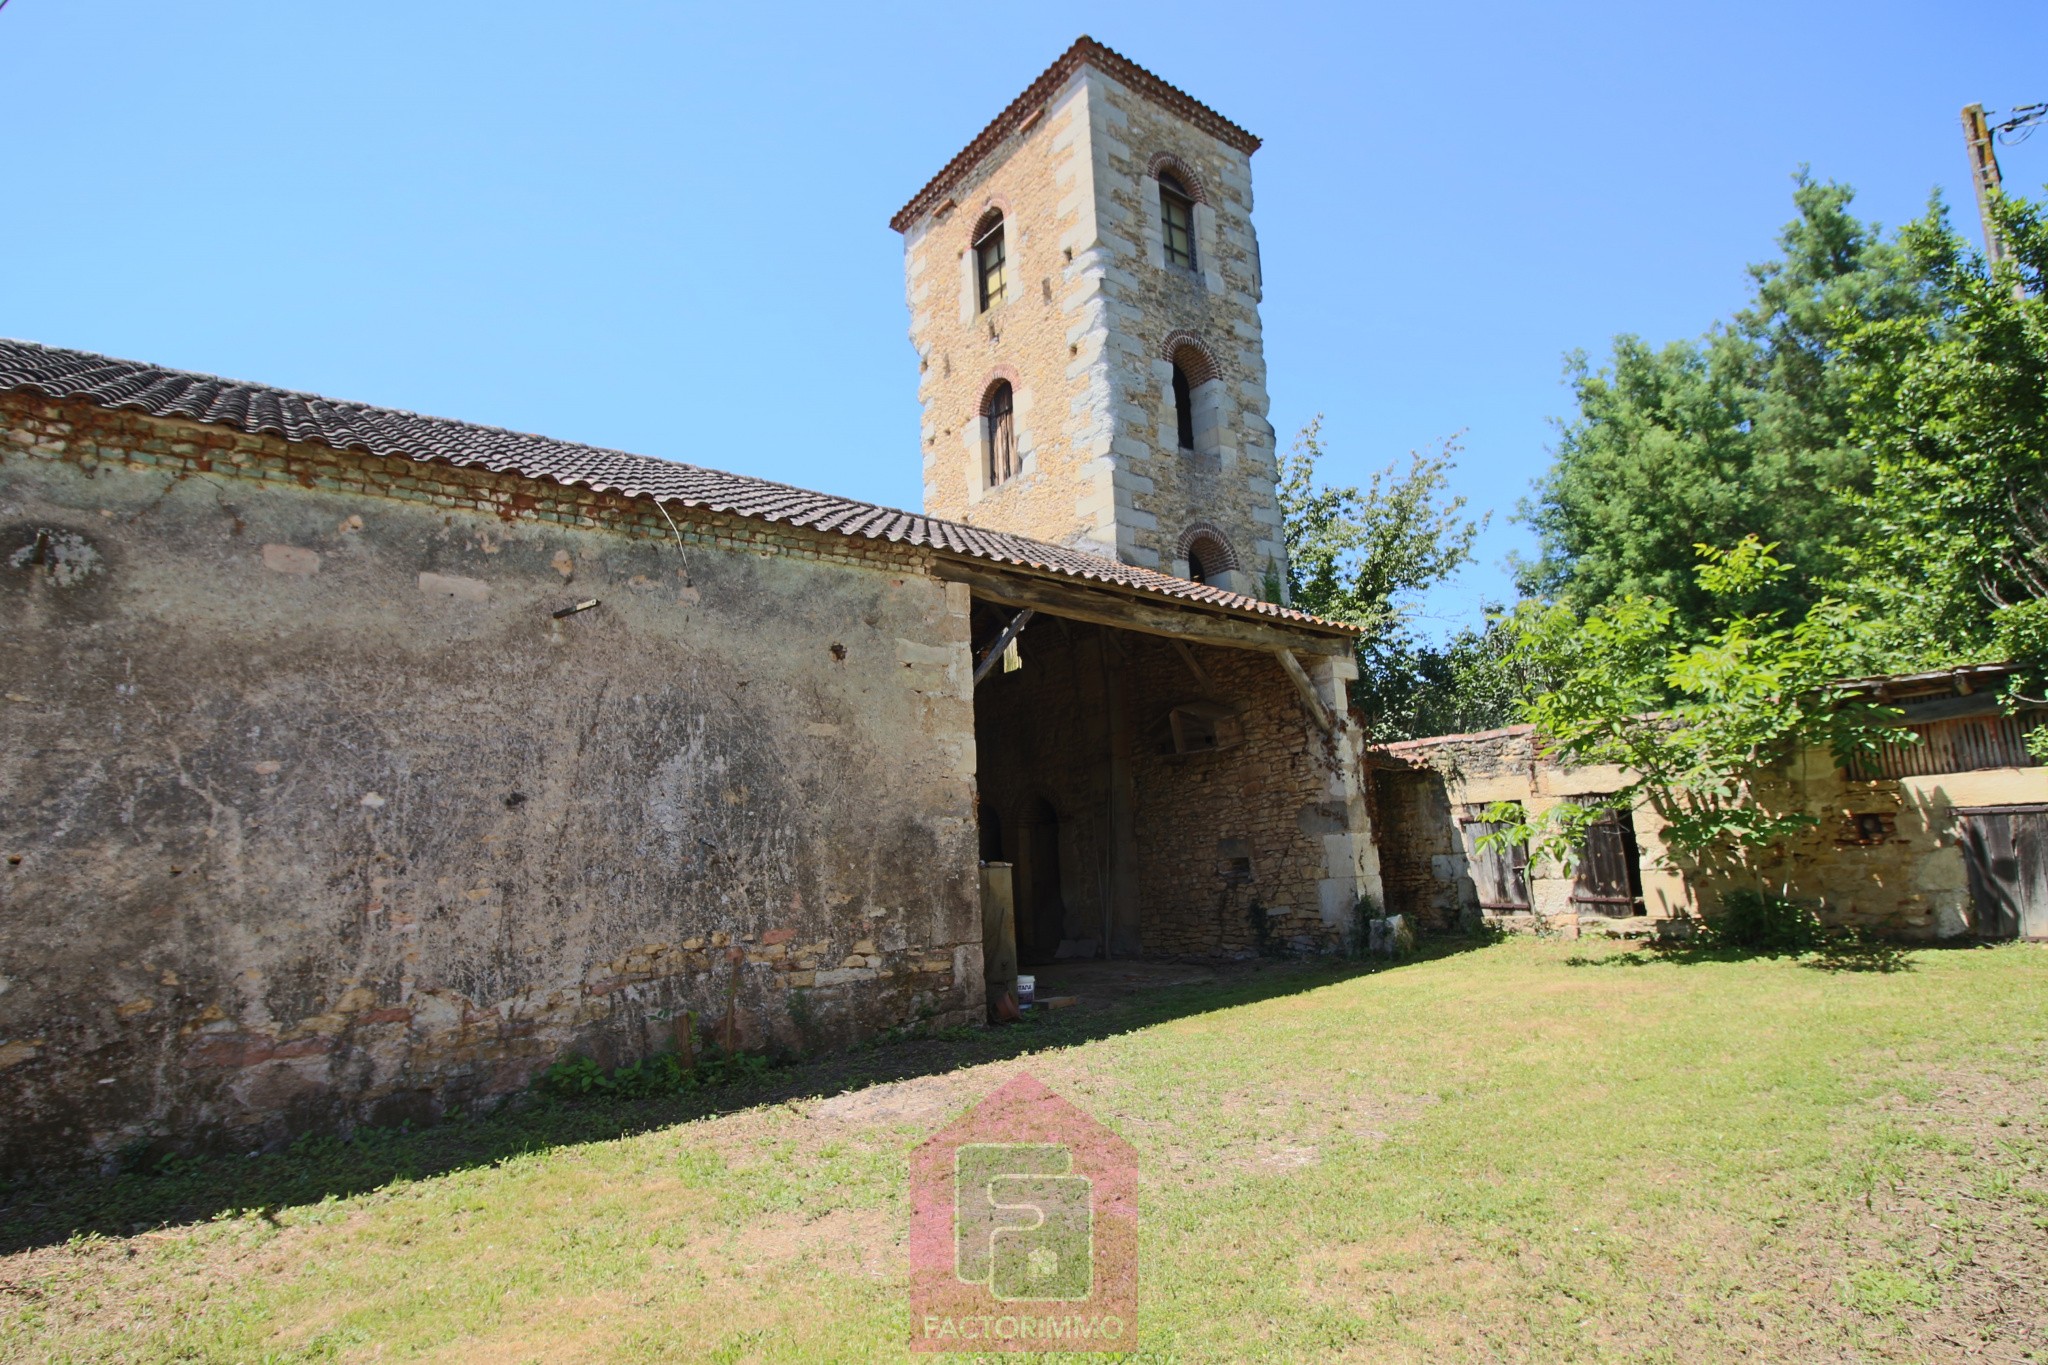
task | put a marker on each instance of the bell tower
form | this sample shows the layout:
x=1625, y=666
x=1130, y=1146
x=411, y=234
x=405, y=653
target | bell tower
x=1083, y=282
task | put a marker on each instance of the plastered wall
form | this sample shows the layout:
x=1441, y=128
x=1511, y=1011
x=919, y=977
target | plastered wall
x=313, y=812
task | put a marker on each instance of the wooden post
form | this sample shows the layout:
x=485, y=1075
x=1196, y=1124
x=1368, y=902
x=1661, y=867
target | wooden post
x=1002, y=642
x=1984, y=175
x=1187, y=656
x=1125, y=938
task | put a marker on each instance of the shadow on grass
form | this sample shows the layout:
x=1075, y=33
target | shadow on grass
x=1833, y=955
x=42, y=1212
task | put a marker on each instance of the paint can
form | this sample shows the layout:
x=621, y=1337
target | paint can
x=1027, y=986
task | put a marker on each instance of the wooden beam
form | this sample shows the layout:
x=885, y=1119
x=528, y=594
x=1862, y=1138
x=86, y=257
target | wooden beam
x=1057, y=597
x=1002, y=642
x=1187, y=656
x=1305, y=687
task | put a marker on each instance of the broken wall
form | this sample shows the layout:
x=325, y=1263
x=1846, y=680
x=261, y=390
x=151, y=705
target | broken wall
x=316, y=809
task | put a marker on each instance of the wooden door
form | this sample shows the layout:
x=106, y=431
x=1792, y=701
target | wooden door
x=2005, y=849
x=1501, y=876
x=1609, y=880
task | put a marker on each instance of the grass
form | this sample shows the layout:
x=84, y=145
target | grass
x=1513, y=1152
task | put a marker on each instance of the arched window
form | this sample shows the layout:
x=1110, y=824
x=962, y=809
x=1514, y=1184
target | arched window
x=998, y=415
x=1183, y=407
x=988, y=259
x=1176, y=220
x=1196, y=398
x=1208, y=554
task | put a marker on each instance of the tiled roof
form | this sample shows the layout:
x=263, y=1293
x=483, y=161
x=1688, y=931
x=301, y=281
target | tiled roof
x=128, y=385
x=1085, y=52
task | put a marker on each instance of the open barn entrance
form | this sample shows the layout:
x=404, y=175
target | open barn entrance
x=1041, y=901
x=1156, y=795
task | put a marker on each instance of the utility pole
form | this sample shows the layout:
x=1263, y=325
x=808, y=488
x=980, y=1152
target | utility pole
x=1978, y=134
x=1983, y=175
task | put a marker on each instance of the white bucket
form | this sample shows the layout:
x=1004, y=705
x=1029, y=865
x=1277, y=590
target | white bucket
x=1027, y=986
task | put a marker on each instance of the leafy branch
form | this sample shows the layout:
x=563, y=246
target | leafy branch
x=1700, y=725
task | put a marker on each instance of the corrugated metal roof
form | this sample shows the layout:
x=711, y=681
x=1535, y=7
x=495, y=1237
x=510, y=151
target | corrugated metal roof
x=1966, y=744
x=1960, y=677
x=132, y=386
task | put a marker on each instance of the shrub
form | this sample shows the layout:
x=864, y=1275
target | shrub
x=1756, y=921
x=661, y=1074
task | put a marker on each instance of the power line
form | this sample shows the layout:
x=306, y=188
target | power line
x=2022, y=121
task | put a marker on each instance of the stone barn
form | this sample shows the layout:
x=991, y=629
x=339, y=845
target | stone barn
x=360, y=764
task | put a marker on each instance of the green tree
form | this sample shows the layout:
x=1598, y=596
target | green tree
x=1409, y=687
x=1700, y=717
x=1952, y=404
x=1360, y=555
x=1747, y=431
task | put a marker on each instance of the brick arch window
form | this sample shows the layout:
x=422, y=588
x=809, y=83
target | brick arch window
x=990, y=259
x=1166, y=164
x=1207, y=552
x=1186, y=350
x=999, y=423
x=1193, y=367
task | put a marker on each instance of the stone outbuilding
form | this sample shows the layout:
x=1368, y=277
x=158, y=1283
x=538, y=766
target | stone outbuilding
x=1943, y=835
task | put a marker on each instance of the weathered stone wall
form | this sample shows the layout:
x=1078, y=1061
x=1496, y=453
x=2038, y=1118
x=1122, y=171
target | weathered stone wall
x=1422, y=862
x=1046, y=338
x=1907, y=882
x=1237, y=832
x=1229, y=482
x=1459, y=772
x=312, y=812
x=1085, y=337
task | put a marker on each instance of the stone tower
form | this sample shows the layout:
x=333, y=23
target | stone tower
x=1083, y=282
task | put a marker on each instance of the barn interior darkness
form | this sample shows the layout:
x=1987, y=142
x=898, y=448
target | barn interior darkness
x=1153, y=797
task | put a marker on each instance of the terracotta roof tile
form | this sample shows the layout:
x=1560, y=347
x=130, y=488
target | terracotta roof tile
x=255, y=409
x=1085, y=52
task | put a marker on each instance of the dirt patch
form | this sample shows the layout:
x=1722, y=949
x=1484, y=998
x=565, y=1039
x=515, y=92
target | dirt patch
x=867, y=1242
x=1425, y=1285
x=1947, y=1241
x=927, y=1102
x=1271, y=1127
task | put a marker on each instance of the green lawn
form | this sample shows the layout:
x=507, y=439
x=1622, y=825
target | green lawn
x=1530, y=1150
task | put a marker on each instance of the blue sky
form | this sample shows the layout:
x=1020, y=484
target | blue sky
x=663, y=227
